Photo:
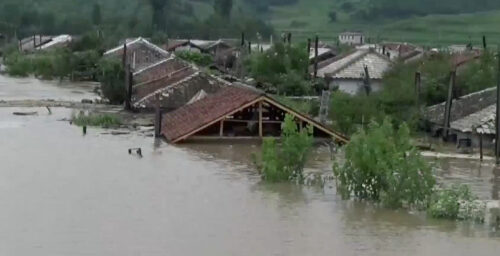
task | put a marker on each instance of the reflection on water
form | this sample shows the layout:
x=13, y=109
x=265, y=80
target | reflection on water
x=62, y=193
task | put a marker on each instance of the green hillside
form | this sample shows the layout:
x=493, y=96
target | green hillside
x=305, y=19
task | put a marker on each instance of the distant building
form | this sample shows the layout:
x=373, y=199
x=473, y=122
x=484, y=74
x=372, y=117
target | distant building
x=471, y=116
x=200, y=46
x=43, y=42
x=352, y=38
x=347, y=72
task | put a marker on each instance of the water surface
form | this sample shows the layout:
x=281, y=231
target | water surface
x=62, y=193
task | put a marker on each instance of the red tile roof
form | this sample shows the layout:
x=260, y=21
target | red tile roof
x=189, y=118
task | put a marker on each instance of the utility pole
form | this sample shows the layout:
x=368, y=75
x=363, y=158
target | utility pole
x=497, y=131
x=308, y=54
x=484, y=43
x=316, y=45
x=449, y=101
x=418, y=84
x=128, y=86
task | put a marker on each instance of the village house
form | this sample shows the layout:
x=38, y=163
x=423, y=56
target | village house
x=199, y=46
x=351, y=38
x=347, y=73
x=159, y=79
x=324, y=53
x=43, y=42
x=140, y=53
x=236, y=112
x=471, y=117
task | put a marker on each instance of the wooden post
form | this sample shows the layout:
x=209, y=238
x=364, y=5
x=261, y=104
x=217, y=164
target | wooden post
x=497, y=132
x=308, y=54
x=128, y=87
x=261, y=134
x=249, y=47
x=367, y=81
x=481, y=146
x=221, y=130
x=242, y=38
x=124, y=56
x=316, y=44
x=449, y=101
x=289, y=38
x=418, y=84
x=484, y=42
x=158, y=118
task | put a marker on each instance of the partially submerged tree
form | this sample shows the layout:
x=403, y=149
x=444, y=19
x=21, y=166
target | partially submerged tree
x=286, y=162
x=381, y=165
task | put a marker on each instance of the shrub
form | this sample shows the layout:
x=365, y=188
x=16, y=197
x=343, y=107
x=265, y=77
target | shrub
x=102, y=120
x=112, y=77
x=18, y=65
x=199, y=59
x=456, y=202
x=333, y=16
x=287, y=161
x=381, y=165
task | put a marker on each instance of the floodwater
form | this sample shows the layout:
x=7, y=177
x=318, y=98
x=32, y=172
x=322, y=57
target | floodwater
x=34, y=89
x=62, y=193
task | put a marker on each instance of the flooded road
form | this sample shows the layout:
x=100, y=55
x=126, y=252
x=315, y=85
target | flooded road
x=62, y=193
x=34, y=89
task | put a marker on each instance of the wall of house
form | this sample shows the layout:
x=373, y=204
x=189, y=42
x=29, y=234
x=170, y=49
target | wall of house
x=488, y=139
x=354, y=86
x=351, y=39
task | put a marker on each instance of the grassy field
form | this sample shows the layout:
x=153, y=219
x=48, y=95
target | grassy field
x=305, y=19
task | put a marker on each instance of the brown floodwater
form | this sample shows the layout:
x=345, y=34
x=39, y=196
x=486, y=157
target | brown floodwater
x=62, y=193
x=33, y=89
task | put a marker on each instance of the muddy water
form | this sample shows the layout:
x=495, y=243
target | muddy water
x=62, y=193
x=34, y=89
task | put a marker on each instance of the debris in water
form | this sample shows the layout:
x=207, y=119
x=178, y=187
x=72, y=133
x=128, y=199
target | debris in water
x=25, y=113
x=138, y=151
x=48, y=109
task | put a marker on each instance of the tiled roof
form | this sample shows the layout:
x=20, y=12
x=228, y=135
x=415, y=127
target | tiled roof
x=463, y=106
x=191, y=117
x=352, y=66
x=482, y=121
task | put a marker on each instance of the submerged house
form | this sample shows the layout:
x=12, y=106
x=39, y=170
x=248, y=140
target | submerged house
x=43, y=42
x=471, y=117
x=235, y=111
x=348, y=73
x=159, y=79
x=201, y=46
x=140, y=53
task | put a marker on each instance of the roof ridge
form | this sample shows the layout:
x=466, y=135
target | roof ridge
x=197, y=73
x=153, y=65
x=348, y=63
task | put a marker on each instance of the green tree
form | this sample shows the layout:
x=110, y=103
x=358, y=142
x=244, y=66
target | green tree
x=332, y=15
x=223, y=8
x=158, y=8
x=111, y=76
x=96, y=15
x=381, y=165
x=286, y=162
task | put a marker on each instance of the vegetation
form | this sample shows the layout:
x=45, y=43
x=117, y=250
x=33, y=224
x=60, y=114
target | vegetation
x=282, y=69
x=456, y=202
x=199, y=59
x=59, y=63
x=382, y=166
x=112, y=77
x=101, y=120
x=285, y=162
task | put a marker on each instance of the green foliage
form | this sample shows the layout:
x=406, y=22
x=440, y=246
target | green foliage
x=456, y=202
x=112, y=77
x=349, y=113
x=478, y=75
x=283, y=67
x=309, y=107
x=96, y=14
x=59, y=63
x=199, y=59
x=18, y=65
x=332, y=15
x=223, y=8
x=286, y=161
x=101, y=120
x=381, y=165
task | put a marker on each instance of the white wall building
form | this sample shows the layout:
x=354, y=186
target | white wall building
x=352, y=38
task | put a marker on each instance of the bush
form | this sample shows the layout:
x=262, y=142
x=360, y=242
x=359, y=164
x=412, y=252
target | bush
x=382, y=166
x=18, y=65
x=286, y=162
x=283, y=67
x=333, y=16
x=112, y=77
x=199, y=59
x=102, y=120
x=456, y=202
